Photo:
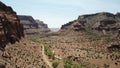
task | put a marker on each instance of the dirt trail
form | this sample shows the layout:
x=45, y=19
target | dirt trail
x=45, y=58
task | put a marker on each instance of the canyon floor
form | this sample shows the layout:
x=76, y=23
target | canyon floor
x=62, y=49
x=78, y=49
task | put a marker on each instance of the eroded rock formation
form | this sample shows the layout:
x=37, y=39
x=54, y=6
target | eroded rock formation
x=28, y=21
x=98, y=21
x=10, y=28
x=41, y=24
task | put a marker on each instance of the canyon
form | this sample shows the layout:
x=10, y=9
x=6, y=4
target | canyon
x=90, y=41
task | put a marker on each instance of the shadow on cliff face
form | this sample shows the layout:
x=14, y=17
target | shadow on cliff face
x=2, y=66
x=2, y=42
x=11, y=30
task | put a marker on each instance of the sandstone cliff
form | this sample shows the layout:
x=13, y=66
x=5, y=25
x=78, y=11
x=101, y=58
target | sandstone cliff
x=28, y=21
x=41, y=24
x=32, y=26
x=98, y=21
x=10, y=28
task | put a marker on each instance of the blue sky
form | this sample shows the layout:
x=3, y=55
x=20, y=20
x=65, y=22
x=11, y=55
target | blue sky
x=58, y=12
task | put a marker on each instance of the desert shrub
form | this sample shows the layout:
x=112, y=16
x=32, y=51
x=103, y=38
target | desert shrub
x=106, y=65
x=67, y=63
x=92, y=37
x=77, y=66
x=55, y=64
x=88, y=27
x=92, y=34
x=48, y=52
x=33, y=39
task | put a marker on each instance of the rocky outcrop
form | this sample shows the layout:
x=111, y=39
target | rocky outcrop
x=41, y=24
x=114, y=48
x=10, y=28
x=98, y=21
x=28, y=21
x=32, y=26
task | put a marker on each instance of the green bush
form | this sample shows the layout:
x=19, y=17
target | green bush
x=48, y=52
x=106, y=65
x=33, y=40
x=55, y=64
x=67, y=63
x=77, y=66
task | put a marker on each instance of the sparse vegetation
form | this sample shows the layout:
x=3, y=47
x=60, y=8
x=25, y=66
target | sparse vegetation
x=33, y=39
x=106, y=65
x=48, y=52
x=77, y=66
x=55, y=64
x=67, y=63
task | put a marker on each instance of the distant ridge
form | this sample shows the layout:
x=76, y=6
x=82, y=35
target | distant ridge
x=29, y=22
x=54, y=29
x=98, y=21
